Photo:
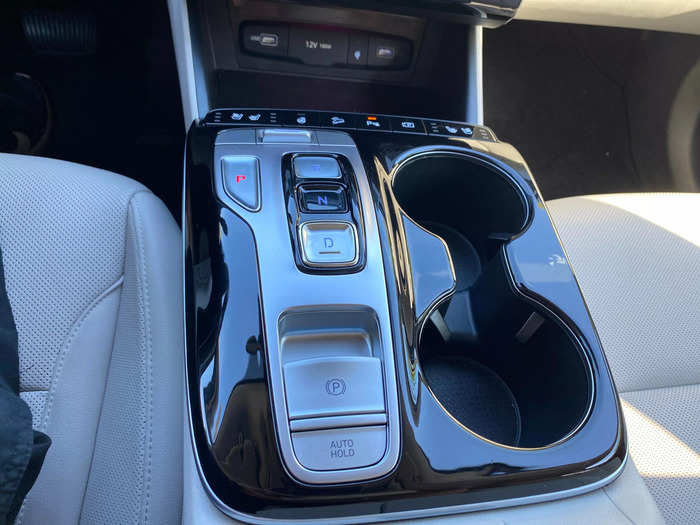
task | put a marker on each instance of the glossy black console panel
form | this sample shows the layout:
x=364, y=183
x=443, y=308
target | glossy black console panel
x=445, y=465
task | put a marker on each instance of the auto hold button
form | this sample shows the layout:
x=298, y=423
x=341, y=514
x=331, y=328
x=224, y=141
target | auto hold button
x=333, y=386
x=340, y=448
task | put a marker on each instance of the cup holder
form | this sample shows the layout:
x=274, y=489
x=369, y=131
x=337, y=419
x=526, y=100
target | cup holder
x=505, y=368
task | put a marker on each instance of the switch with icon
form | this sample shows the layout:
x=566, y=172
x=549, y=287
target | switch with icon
x=357, y=50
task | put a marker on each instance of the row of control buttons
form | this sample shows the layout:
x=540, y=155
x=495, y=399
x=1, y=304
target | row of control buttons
x=349, y=121
x=326, y=47
x=330, y=392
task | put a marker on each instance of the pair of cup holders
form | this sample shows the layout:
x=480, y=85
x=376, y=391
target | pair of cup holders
x=503, y=367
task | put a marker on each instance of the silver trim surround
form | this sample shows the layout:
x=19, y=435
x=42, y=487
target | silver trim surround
x=475, y=76
x=331, y=422
x=284, y=287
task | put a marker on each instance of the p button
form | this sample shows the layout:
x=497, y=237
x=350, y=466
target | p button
x=242, y=180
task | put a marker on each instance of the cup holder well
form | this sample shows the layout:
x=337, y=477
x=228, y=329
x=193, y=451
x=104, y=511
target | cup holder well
x=506, y=369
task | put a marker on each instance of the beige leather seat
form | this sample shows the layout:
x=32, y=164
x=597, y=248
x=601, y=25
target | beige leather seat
x=637, y=259
x=93, y=273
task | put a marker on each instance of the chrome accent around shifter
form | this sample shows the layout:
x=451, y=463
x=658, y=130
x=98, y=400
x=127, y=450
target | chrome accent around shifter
x=312, y=315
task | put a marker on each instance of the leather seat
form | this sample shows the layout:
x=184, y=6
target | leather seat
x=93, y=270
x=637, y=259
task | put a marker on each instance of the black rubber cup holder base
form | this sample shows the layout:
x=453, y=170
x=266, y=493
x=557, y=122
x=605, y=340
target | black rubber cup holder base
x=476, y=397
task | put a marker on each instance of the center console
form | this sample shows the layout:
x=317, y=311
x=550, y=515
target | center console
x=381, y=323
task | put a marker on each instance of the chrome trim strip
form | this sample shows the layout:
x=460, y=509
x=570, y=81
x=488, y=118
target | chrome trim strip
x=180, y=27
x=475, y=76
x=284, y=288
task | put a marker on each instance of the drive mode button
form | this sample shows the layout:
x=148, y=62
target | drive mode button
x=338, y=449
x=333, y=386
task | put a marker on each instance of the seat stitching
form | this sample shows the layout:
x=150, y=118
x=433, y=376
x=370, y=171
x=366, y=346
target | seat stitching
x=143, y=277
x=67, y=345
x=57, y=375
x=605, y=491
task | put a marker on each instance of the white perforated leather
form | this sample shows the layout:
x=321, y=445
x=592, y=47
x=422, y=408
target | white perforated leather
x=637, y=259
x=57, y=259
x=98, y=316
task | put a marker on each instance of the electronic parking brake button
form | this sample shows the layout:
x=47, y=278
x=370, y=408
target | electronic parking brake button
x=333, y=386
x=340, y=448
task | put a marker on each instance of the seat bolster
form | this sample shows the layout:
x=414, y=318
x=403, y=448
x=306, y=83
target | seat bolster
x=72, y=413
x=136, y=474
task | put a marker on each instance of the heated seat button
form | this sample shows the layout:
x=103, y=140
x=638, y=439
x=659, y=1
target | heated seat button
x=322, y=198
x=333, y=386
x=242, y=180
x=266, y=39
x=338, y=449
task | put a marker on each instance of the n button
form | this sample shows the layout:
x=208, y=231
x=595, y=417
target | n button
x=322, y=199
x=242, y=180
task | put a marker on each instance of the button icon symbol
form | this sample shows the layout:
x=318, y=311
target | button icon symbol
x=337, y=121
x=451, y=129
x=327, y=241
x=335, y=387
x=408, y=124
x=240, y=178
x=254, y=117
x=301, y=120
x=236, y=116
x=357, y=54
x=323, y=201
x=266, y=39
x=386, y=52
x=467, y=131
